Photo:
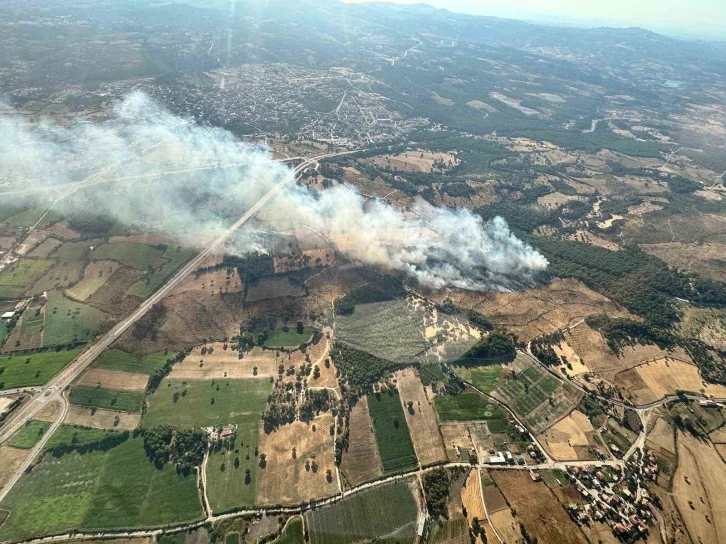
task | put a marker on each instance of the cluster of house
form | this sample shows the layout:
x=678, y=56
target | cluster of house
x=19, y=307
x=221, y=433
x=611, y=496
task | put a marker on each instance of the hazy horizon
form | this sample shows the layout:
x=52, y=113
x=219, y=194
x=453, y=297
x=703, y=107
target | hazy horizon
x=705, y=20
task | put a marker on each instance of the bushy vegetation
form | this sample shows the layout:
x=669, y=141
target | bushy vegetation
x=360, y=369
x=496, y=346
x=436, y=485
x=380, y=291
x=183, y=447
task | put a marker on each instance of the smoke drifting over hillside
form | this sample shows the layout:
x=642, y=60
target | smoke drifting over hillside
x=209, y=178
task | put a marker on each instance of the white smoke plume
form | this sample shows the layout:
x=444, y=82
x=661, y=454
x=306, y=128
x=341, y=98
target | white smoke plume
x=145, y=166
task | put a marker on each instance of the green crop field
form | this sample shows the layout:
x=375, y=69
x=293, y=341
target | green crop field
x=112, y=399
x=61, y=274
x=138, y=256
x=33, y=368
x=278, y=338
x=32, y=322
x=75, y=251
x=227, y=484
x=172, y=260
x=469, y=406
x=4, y=333
x=17, y=279
x=68, y=321
x=385, y=511
x=535, y=396
x=25, y=218
x=450, y=532
x=117, y=488
x=486, y=378
x=114, y=359
x=202, y=403
x=293, y=533
x=394, y=441
x=29, y=435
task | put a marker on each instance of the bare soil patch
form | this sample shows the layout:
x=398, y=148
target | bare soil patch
x=11, y=459
x=592, y=239
x=506, y=526
x=415, y=161
x=537, y=508
x=114, y=379
x=361, y=461
x=698, y=489
x=421, y=418
x=456, y=435
x=102, y=419
x=289, y=481
x=49, y=412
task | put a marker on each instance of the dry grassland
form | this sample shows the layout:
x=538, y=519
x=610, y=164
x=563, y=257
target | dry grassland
x=421, y=418
x=64, y=231
x=506, y=527
x=592, y=239
x=49, y=412
x=562, y=439
x=479, y=105
x=102, y=419
x=455, y=434
x=327, y=377
x=286, y=480
x=223, y=363
x=718, y=436
x=361, y=461
x=211, y=283
x=661, y=437
x=706, y=259
x=471, y=497
x=537, y=508
x=114, y=379
x=652, y=381
x=698, y=489
x=555, y=200
x=708, y=324
x=565, y=350
x=11, y=459
x=6, y=242
x=31, y=242
x=414, y=161
x=45, y=248
x=94, y=276
x=542, y=310
x=331, y=283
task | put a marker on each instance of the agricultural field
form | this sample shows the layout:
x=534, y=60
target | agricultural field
x=450, y=531
x=471, y=497
x=535, y=396
x=366, y=515
x=75, y=251
x=61, y=274
x=537, y=508
x=361, y=462
x=205, y=403
x=391, y=330
x=278, y=338
x=67, y=321
x=212, y=361
x=28, y=332
x=457, y=438
x=228, y=485
x=89, y=492
x=33, y=368
x=115, y=359
x=484, y=378
x=74, y=434
x=110, y=399
x=139, y=256
x=29, y=435
x=19, y=277
x=98, y=418
x=698, y=489
x=45, y=248
x=293, y=532
x=113, y=379
x=394, y=442
x=421, y=418
x=270, y=288
x=309, y=474
x=172, y=260
x=571, y=438
x=11, y=459
x=95, y=276
x=471, y=406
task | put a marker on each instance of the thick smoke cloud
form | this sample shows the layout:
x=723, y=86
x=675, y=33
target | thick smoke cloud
x=209, y=178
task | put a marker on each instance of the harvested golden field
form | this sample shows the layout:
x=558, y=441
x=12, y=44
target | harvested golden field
x=113, y=379
x=661, y=437
x=698, y=489
x=221, y=363
x=652, y=381
x=94, y=276
x=455, y=434
x=361, y=461
x=506, y=527
x=537, y=508
x=289, y=480
x=102, y=419
x=707, y=259
x=11, y=459
x=421, y=418
x=541, y=310
x=569, y=438
x=471, y=497
x=576, y=366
